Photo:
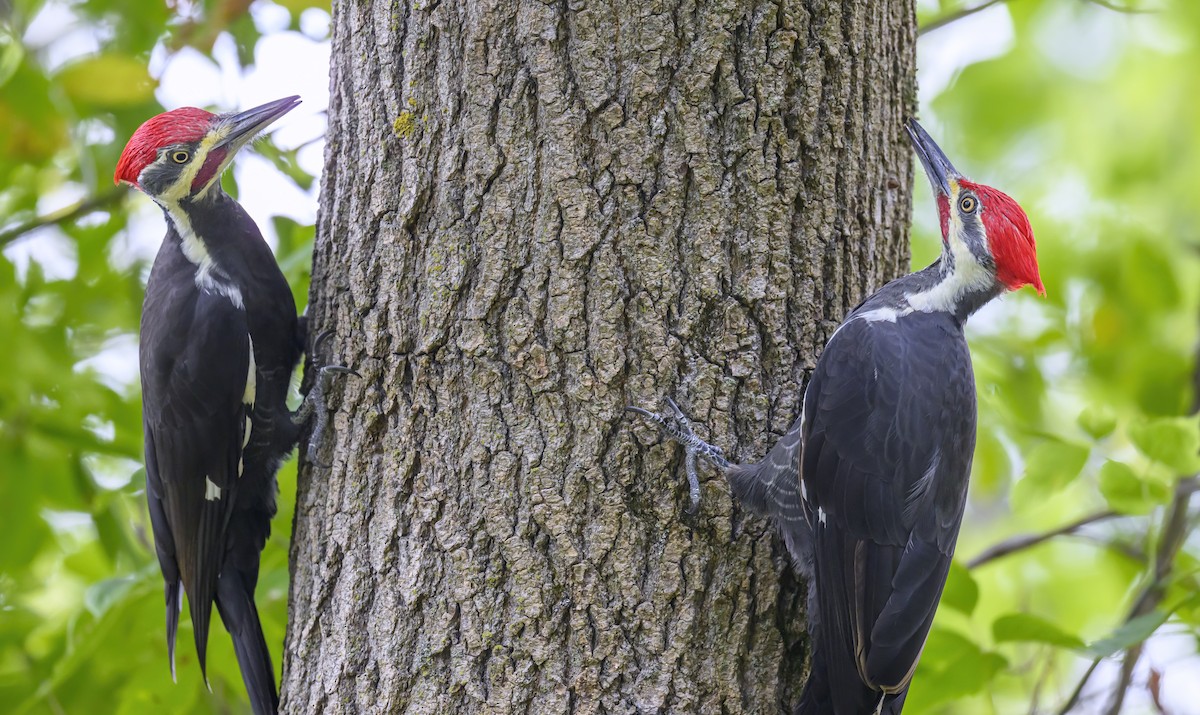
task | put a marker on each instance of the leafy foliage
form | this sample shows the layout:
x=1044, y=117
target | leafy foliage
x=1089, y=117
x=81, y=600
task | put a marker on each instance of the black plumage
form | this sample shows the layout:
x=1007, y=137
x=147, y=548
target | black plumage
x=195, y=359
x=878, y=465
x=219, y=342
x=888, y=436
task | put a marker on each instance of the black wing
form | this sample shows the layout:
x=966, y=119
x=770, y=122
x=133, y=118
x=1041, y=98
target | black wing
x=195, y=358
x=772, y=488
x=888, y=439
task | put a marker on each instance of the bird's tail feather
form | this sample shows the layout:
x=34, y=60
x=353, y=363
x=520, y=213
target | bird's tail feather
x=201, y=576
x=236, y=605
x=174, y=593
x=817, y=698
x=895, y=703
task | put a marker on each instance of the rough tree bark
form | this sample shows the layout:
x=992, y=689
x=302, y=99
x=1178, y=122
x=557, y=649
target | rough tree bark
x=534, y=214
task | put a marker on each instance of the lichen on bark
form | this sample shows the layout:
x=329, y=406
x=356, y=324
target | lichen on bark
x=590, y=205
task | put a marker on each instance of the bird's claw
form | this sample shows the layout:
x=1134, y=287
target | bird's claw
x=313, y=407
x=678, y=428
x=320, y=340
x=339, y=370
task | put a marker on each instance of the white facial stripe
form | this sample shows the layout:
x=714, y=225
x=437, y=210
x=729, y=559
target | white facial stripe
x=193, y=248
x=968, y=276
x=182, y=187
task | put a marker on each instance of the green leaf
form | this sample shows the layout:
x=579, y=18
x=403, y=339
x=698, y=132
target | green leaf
x=1128, y=635
x=961, y=592
x=1128, y=493
x=1173, y=441
x=991, y=470
x=1027, y=628
x=1053, y=465
x=1098, y=421
x=108, y=80
x=102, y=595
x=952, y=666
x=11, y=54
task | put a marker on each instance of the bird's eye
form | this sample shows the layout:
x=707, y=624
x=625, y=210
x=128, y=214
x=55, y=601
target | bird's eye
x=180, y=157
x=967, y=204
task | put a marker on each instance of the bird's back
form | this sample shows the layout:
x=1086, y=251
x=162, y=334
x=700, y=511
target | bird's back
x=887, y=441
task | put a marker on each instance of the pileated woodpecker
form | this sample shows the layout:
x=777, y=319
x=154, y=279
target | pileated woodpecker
x=219, y=342
x=869, y=485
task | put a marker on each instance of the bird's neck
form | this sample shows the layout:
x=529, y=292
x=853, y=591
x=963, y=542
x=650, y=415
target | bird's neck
x=201, y=246
x=955, y=283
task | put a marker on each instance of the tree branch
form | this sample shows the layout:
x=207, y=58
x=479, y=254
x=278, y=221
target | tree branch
x=1175, y=531
x=968, y=11
x=1028, y=541
x=956, y=16
x=202, y=33
x=1109, y=5
x=1074, y=699
x=1008, y=547
x=69, y=213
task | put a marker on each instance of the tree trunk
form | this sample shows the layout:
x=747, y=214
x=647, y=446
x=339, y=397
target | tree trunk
x=533, y=215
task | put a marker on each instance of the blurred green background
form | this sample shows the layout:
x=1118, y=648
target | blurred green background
x=1086, y=112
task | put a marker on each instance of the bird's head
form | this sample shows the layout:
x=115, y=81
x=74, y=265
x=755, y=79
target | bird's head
x=979, y=223
x=179, y=155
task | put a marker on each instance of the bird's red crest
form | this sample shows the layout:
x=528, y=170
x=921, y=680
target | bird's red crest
x=1010, y=238
x=186, y=124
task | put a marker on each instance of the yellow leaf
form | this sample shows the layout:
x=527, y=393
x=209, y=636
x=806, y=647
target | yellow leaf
x=108, y=80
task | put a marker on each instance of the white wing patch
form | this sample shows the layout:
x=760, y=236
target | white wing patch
x=248, y=399
x=884, y=314
x=251, y=377
x=211, y=491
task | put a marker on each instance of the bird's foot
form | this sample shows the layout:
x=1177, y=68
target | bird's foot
x=677, y=427
x=313, y=408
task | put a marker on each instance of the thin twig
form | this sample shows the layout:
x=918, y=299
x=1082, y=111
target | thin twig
x=1017, y=544
x=1074, y=699
x=1042, y=678
x=1175, y=532
x=956, y=16
x=70, y=213
x=968, y=11
x=1028, y=541
x=1108, y=5
x=202, y=33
